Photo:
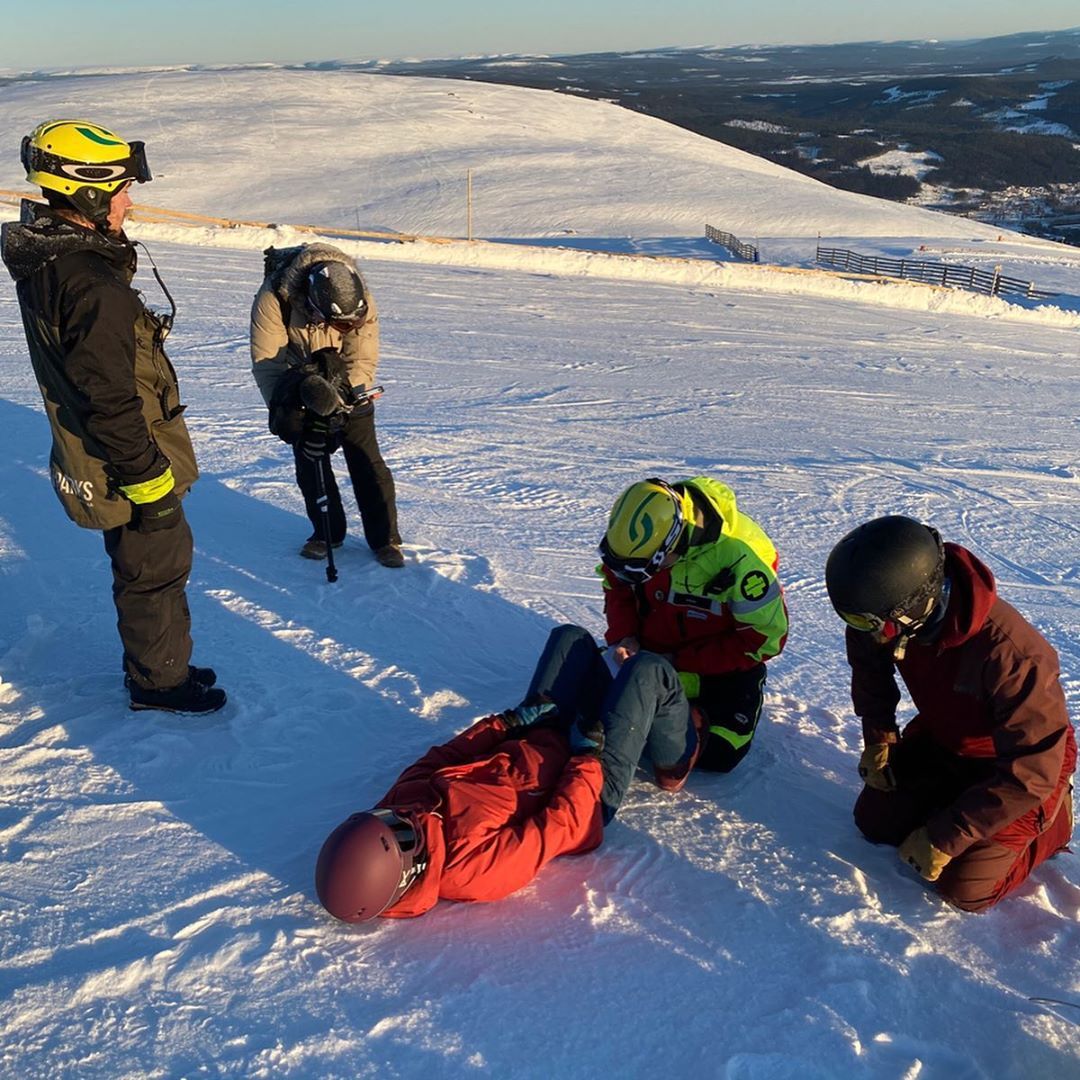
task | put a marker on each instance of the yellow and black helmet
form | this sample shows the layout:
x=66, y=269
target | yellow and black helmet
x=85, y=163
x=647, y=523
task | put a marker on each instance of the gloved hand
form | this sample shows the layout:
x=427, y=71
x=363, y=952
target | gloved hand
x=156, y=505
x=917, y=851
x=313, y=442
x=586, y=737
x=528, y=713
x=874, y=767
x=163, y=513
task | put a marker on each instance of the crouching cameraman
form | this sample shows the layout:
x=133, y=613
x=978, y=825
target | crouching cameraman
x=314, y=319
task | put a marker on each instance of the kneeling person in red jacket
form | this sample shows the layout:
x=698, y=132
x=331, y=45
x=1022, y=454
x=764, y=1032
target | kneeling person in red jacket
x=976, y=790
x=474, y=819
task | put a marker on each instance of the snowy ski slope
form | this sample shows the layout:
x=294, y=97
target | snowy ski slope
x=155, y=873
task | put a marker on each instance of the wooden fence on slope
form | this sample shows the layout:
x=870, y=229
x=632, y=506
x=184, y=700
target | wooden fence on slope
x=738, y=248
x=990, y=282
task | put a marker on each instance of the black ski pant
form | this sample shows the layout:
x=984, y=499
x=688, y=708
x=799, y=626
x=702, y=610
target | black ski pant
x=372, y=484
x=732, y=704
x=150, y=573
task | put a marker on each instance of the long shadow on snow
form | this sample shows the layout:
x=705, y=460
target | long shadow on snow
x=334, y=688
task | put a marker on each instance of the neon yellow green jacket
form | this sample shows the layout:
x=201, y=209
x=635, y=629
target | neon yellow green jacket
x=720, y=608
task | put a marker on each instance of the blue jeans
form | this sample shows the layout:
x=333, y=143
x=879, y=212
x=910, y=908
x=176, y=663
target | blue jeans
x=643, y=709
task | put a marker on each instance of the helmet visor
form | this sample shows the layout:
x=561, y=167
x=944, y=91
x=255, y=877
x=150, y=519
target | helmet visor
x=133, y=167
x=635, y=571
x=410, y=842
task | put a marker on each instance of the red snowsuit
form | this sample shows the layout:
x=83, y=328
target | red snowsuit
x=494, y=810
x=988, y=760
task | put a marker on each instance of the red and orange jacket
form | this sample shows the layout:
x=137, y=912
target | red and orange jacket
x=985, y=687
x=494, y=810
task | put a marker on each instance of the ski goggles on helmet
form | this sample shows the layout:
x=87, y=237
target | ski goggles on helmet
x=636, y=571
x=410, y=842
x=888, y=627
x=343, y=326
x=133, y=167
x=905, y=618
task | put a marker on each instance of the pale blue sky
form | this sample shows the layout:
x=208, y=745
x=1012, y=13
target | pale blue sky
x=135, y=32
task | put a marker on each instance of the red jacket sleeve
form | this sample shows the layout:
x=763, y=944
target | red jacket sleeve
x=476, y=742
x=620, y=608
x=511, y=856
x=874, y=693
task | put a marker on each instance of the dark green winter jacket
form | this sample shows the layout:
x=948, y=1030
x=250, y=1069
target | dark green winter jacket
x=110, y=391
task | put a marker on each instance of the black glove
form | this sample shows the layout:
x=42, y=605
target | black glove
x=313, y=445
x=163, y=513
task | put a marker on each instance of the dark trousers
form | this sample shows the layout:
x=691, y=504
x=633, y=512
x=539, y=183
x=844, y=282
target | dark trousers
x=150, y=573
x=929, y=779
x=372, y=484
x=732, y=705
x=643, y=709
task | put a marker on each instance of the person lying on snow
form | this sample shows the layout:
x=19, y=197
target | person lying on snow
x=977, y=790
x=474, y=819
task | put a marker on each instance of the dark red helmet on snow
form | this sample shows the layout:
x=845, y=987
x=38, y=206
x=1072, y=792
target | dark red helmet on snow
x=367, y=864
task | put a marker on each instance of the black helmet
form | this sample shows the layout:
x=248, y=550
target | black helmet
x=336, y=293
x=367, y=864
x=887, y=571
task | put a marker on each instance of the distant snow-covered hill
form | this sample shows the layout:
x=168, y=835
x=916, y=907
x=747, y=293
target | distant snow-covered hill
x=355, y=150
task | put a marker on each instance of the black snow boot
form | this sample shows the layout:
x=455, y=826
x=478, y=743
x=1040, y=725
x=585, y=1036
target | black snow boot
x=191, y=696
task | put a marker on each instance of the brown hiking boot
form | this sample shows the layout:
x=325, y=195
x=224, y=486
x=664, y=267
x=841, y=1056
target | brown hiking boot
x=391, y=555
x=314, y=548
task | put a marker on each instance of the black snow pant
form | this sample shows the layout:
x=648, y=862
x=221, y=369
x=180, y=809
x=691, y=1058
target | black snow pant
x=732, y=703
x=372, y=484
x=150, y=573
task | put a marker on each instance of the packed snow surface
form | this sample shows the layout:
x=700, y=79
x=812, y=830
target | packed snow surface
x=156, y=893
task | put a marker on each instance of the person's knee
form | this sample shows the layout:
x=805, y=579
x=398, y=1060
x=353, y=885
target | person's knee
x=876, y=821
x=984, y=874
x=569, y=634
x=718, y=755
x=970, y=904
x=652, y=668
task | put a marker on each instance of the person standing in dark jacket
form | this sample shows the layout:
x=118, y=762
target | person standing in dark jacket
x=977, y=790
x=121, y=456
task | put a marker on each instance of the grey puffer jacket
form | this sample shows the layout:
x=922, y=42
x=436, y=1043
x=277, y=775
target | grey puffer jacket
x=283, y=333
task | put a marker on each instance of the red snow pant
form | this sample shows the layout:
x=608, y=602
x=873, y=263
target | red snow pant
x=929, y=779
